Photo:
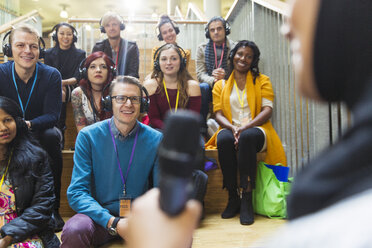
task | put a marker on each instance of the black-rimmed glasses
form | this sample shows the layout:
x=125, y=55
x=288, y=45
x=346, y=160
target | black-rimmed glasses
x=123, y=99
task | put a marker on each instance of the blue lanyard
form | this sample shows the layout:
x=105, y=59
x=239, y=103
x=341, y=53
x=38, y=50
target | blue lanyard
x=32, y=89
x=117, y=156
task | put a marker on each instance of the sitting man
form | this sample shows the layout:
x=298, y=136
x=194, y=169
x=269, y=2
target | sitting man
x=113, y=163
x=37, y=89
x=212, y=63
x=125, y=53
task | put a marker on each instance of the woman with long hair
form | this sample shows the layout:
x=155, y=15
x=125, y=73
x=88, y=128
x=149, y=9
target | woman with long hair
x=171, y=86
x=97, y=72
x=243, y=105
x=65, y=57
x=26, y=185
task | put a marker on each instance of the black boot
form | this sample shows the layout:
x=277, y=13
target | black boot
x=233, y=205
x=246, y=209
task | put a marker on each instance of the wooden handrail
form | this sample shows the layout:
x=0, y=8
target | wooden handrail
x=8, y=26
x=96, y=20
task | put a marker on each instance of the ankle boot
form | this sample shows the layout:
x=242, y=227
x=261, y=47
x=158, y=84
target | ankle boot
x=233, y=205
x=246, y=209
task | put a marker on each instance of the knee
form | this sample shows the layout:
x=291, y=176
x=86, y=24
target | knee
x=51, y=137
x=77, y=226
x=250, y=134
x=205, y=88
x=200, y=177
x=225, y=138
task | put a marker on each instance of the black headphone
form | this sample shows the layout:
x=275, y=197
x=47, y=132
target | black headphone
x=7, y=47
x=83, y=71
x=145, y=101
x=179, y=49
x=56, y=27
x=225, y=24
x=176, y=29
x=102, y=28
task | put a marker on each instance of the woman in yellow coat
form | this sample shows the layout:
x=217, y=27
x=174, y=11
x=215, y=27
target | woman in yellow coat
x=243, y=105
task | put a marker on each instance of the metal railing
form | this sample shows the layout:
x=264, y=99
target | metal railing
x=305, y=127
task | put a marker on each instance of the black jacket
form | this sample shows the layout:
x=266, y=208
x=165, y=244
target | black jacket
x=68, y=69
x=34, y=200
x=128, y=61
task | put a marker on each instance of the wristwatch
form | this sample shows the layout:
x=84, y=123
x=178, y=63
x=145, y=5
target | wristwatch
x=112, y=229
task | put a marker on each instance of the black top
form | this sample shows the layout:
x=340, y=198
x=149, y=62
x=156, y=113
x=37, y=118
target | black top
x=65, y=61
x=128, y=60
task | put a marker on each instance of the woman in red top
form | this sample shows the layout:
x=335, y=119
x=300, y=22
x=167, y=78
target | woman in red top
x=171, y=87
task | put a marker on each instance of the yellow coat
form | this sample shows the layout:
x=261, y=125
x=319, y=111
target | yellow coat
x=255, y=92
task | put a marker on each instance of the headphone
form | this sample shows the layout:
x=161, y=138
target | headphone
x=83, y=70
x=57, y=26
x=102, y=28
x=225, y=24
x=176, y=29
x=7, y=47
x=145, y=101
x=179, y=49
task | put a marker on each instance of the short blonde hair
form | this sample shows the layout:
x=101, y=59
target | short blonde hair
x=24, y=27
x=108, y=16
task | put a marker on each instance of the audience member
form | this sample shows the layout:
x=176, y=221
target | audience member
x=318, y=31
x=65, y=57
x=37, y=89
x=167, y=32
x=170, y=88
x=243, y=105
x=26, y=187
x=212, y=63
x=113, y=163
x=125, y=53
x=96, y=73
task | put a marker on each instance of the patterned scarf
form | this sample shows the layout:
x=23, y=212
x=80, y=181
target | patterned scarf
x=210, y=59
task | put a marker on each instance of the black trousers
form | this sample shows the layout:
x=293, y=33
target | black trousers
x=50, y=139
x=250, y=142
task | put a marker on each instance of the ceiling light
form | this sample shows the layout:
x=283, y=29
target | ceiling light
x=63, y=13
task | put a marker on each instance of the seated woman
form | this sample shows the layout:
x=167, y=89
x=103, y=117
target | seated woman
x=97, y=72
x=65, y=57
x=170, y=88
x=26, y=186
x=243, y=106
x=167, y=32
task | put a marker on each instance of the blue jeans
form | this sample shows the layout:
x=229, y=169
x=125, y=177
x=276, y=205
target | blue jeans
x=206, y=98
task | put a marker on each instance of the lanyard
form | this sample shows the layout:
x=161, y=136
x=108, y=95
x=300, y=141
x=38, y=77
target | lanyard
x=6, y=171
x=215, y=55
x=241, y=100
x=117, y=156
x=166, y=93
x=29, y=96
x=117, y=58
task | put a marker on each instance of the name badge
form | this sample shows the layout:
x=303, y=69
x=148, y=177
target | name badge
x=125, y=206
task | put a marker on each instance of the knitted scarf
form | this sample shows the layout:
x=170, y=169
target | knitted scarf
x=210, y=59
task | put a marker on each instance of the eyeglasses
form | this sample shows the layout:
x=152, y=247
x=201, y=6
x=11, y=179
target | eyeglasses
x=123, y=99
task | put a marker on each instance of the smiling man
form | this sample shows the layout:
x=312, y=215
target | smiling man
x=212, y=63
x=113, y=163
x=125, y=53
x=37, y=89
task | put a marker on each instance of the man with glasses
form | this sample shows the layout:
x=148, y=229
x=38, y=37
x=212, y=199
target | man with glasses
x=115, y=161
